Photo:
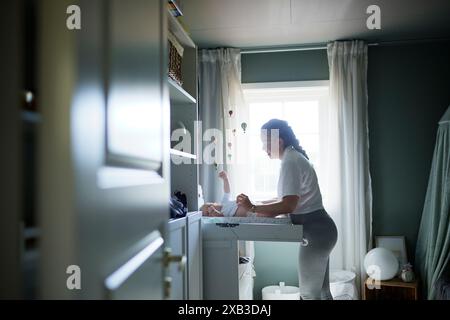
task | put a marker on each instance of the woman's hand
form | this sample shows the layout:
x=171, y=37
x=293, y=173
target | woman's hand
x=244, y=202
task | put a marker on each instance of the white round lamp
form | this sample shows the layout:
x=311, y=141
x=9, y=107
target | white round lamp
x=381, y=264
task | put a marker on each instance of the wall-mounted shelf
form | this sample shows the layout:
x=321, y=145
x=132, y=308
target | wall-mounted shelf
x=175, y=152
x=178, y=94
x=179, y=32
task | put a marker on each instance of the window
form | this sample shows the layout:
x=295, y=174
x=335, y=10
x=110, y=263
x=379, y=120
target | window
x=302, y=105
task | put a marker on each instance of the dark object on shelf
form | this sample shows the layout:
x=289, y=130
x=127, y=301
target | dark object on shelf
x=182, y=198
x=177, y=209
x=178, y=205
x=244, y=260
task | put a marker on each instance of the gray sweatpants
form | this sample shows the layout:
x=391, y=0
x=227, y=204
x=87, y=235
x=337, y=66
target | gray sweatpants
x=313, y=260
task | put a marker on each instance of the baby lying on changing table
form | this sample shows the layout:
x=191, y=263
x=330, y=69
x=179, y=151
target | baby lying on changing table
x=227, y=207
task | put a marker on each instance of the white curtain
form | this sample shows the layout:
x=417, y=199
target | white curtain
x=222, y=106
x=346, y=179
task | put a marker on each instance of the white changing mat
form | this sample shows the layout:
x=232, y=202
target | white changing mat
x=253, y=220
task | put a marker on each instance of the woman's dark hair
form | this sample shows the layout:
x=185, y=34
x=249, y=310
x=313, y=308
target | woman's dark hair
x=285, y=133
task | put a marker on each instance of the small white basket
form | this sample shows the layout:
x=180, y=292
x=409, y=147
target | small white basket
x=343, y=286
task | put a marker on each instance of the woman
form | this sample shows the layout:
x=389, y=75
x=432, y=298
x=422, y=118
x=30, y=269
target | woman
x=299, y=196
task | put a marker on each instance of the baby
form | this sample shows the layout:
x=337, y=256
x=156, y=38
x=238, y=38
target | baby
x=228, y=207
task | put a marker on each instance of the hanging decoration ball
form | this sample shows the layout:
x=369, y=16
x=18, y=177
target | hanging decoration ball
x=229, y=144
x=244, y=126
x=230, y=112
x=234, y=131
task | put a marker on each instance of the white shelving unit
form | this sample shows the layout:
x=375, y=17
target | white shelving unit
x=182, y=36
x=179, y=95
x=185, y=234
x=184, y=109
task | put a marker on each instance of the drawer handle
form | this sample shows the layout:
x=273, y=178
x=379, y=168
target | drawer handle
x=118, y=277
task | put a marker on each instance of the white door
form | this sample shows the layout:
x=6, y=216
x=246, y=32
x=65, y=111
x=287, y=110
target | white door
x=104, y=149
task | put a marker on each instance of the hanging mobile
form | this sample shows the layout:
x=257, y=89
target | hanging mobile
x=244, y=126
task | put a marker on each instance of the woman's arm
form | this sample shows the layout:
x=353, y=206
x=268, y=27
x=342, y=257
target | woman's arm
x=286, y=205
x=268, y=201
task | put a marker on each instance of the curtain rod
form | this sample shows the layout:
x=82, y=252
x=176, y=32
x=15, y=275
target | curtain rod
x=323, y=46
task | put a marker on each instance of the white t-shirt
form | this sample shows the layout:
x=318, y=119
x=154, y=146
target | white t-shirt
x=297, y=177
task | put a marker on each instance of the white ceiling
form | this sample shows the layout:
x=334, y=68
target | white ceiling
x=262, y=23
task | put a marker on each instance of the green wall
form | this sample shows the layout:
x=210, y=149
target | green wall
x=285, y=66
x=408, y=93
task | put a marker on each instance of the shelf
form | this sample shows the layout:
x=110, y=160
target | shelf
x=178, y=94
x=395, y=282
x=31, y=117
x=182, y=154
x=181, y=34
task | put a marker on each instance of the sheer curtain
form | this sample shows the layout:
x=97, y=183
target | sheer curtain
x=222, y=106
x=346, y=179
x=433, y=243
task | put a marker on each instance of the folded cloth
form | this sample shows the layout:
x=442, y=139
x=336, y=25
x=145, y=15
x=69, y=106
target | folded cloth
x=244, y=260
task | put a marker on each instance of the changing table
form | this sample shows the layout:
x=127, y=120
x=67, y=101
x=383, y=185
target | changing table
x=220, y=249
